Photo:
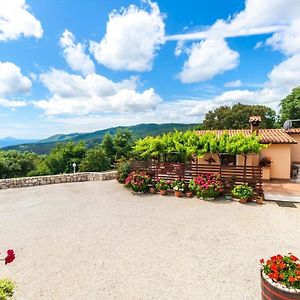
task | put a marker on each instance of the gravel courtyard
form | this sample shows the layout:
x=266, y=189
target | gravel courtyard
x=95, y=240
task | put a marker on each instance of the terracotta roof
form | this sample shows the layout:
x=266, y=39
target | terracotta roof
x=293, y=130
x=268, y=136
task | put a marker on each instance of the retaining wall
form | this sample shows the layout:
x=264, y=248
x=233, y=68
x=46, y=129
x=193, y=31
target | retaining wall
x=55, y=179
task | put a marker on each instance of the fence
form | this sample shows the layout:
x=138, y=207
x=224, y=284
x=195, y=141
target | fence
x=230, y=175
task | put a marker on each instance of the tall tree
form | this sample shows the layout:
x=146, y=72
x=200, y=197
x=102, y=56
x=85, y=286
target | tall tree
x=123, y=142
x=96, y=160
x=290, y=106
x=109, y=147
x=237, y=117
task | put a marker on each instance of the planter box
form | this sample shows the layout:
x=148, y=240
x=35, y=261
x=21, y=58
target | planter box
x=266, y=173
x=272, y=291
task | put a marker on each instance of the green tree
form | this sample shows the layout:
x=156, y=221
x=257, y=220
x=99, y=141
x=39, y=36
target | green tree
x=62, y=157
x=109, y=147
x=95, y=160
x=123, y=142
x=17, y=164
x=290, y=106
x=237, y=117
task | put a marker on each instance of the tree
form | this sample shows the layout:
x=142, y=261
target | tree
x=109, y=147
x=17, y=164
x=290, y=106
x=237, y=117
x=123, y=142
x=96, y=160
x=62, y=157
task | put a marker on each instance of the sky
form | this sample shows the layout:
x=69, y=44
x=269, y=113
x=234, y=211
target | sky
x=79, y=66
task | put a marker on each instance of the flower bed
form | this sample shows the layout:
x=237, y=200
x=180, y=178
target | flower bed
x=138, y=182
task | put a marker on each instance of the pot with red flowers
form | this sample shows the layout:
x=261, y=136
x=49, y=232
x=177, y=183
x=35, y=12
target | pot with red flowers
x=280, y=277
x=163, y=186
x=138, y=182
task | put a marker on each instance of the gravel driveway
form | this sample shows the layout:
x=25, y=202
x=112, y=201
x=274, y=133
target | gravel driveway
x=95, y=240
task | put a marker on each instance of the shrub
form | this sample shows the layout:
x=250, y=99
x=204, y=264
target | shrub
x=162, y=185
x=178, y=185
x=95, y=160
x=242, y=191
x=123, y=169
x=138, y=181
x=7, y=288
x=283, y=269
x=207, y=185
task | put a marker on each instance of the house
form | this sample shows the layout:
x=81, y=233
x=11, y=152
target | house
x=283, y=150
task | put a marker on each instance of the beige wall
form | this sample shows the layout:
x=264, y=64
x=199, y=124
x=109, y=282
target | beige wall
x=296, y=148
x=280, y=155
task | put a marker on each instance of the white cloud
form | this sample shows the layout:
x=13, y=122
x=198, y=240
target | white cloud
x=75, y=54
x=11, y=80
x=74, y=94
x=207, y=59
x=235, y=83
x=132, y=38
x=16, y=20
x=12, y=103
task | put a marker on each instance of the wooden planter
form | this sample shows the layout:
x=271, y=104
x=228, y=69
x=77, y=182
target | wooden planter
x=270, y=292
x=163, y=192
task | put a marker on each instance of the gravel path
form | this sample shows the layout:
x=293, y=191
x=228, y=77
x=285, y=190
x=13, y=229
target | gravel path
x=95, y=240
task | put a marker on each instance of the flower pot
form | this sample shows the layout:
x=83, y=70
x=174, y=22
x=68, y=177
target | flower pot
x=243, y=201
x=209, y=198
x=163, y=192
x=189, y=194
x=275, y=291
x=178, y=193
x=260, y=200
x=152, y=190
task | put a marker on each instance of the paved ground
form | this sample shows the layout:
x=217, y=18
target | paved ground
x=95, y=240
x=282, y=191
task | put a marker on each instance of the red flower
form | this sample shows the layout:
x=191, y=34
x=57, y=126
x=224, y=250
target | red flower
x=292, y=279
x=262, y=261
x=274, y=268
x=293, y=258
x=10, y=256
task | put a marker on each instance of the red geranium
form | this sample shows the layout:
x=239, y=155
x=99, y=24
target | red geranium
x=10, y=257
x=283, y=269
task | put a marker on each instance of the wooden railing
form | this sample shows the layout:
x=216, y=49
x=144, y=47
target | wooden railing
x=230, y=175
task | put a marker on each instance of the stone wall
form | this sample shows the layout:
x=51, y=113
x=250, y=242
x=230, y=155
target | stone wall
x=55, y=179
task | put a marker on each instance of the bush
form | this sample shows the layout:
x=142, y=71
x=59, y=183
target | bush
x=123, y=169
x=207, y=185
x=178, y=185
x=7, y=288
x=163, y=185
x=138, y=181
x=242, y=191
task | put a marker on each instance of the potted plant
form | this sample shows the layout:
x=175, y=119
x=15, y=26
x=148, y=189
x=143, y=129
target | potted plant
x=207, y=186
x=138, y=182
x=163, y=185
x=280, y=277
x=265, y=163
x=178, y=187
x=152, y=189
x=243, y=192
x=7, y=286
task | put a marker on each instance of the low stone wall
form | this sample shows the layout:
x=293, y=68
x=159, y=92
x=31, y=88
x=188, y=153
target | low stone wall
x=55, y=179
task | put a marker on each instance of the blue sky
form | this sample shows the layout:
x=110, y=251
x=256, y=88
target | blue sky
x=69, y=66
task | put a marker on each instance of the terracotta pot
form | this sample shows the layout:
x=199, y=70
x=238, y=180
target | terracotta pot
x=189, y=194
x=163, y=192
x=178, y=193
x=242, y=200
x=269, y=291
x=260, y=200
x=152, y=190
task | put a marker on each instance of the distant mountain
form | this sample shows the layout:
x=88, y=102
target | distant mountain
x=10, y=141
x=92, y=138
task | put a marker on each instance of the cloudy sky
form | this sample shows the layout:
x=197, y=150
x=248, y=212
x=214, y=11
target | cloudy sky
x=68, y=66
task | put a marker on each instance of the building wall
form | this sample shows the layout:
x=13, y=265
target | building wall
x=280, y=155
x=295, y=148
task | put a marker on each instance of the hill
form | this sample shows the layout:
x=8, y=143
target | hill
x=92, y=138
x=10, y=141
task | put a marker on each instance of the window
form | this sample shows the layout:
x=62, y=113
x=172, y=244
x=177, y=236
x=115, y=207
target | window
x=228, y=160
